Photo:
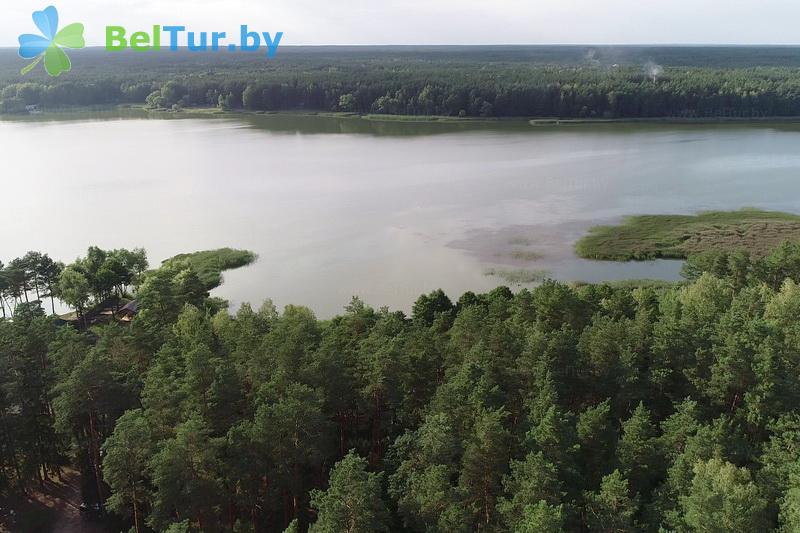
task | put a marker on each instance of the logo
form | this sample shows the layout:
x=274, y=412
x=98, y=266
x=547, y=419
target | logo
x=50, y=45
x=173, y=36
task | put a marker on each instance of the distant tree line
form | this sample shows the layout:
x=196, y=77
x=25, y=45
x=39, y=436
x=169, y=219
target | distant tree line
x=408, y=88
x=597, y=408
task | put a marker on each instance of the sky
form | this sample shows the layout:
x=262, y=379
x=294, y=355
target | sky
x=366, y=22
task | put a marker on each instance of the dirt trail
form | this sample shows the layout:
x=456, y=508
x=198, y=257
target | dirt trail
x=53, y=507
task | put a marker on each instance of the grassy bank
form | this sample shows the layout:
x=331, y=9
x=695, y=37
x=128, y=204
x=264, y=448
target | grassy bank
x=663, y=120
x=373, y=117
x=677, y=236
x=210, y=264
x=437, y=118
x=517, y=277
x=60, y=112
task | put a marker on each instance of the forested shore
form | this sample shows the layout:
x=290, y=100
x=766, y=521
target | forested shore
x=561, y=82
x=603, y=408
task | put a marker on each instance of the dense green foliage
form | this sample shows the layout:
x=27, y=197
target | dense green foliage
x=209, y=264
x=33, y=273
x=679, y=236
x=566, y=82
x=593, y=408
x=105, y=278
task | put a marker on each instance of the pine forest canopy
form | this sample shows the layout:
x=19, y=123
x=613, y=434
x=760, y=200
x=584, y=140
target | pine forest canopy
x=601, y=408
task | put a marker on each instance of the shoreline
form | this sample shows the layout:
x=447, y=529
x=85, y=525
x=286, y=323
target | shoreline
x=395, y=119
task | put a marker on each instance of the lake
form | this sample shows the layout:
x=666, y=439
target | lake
x=337, y=207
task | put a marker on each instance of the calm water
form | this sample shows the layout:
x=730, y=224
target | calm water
x=339, y=207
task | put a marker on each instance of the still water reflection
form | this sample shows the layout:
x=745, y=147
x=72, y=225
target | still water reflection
x=340, y=207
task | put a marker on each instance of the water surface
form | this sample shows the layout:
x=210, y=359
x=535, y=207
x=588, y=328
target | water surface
x=343, y=207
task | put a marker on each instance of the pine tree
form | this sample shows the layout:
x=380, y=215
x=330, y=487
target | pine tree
x=637, y=451
x=126, y=455
x=483, y=464
x=790, y=507
x=353, y=501
x=724, y=499
x=422, y=485
x=611, y=509
x=596, y=436
x=541, y=518
x=186, y=473
x=531, y=482
x=291, y=430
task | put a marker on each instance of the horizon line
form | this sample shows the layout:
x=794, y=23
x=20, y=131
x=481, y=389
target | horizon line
x=473, y=45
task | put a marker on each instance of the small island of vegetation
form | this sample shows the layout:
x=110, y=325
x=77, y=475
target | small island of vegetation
x=209, y=264
x=647, y=237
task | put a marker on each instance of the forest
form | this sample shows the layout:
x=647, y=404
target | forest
x=538, y=81
x=585, y=407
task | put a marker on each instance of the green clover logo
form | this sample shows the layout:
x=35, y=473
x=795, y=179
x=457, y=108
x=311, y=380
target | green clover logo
x=51, y=43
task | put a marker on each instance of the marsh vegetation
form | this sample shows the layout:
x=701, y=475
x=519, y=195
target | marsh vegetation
x=643, y=237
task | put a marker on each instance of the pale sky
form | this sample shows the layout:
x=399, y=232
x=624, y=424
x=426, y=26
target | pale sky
x=437, y=21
